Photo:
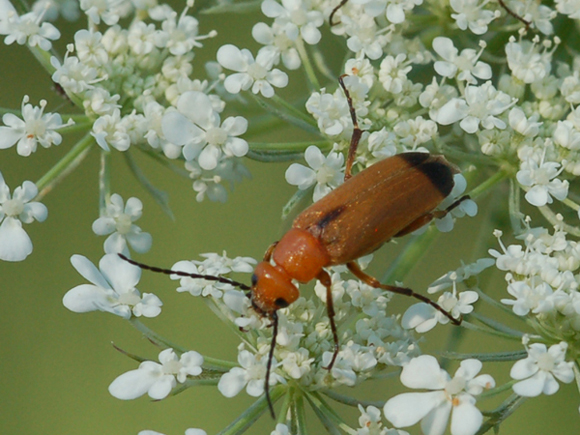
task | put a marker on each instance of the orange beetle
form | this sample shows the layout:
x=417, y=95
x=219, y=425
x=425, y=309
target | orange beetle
x=389, y=199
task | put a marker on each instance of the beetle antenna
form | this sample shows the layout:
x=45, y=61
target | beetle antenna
x=334, y=11
x=356, y=131
x=269, y=364
x=188, y=274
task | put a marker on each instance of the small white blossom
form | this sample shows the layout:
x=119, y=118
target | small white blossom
x=326, y=172
x=118, y=221
x=157, y=379
x=250, y=375
x=15, y=244
x=110, y=130
x=465, y=66
x=256, y=74
x=295, y=19
x=526, y=62
x=35, y=127
x=480, y=107
x=535, y=298
x=26, y=29
x=73, y=75
x=446, y=396
x=112, y=289
x=569, y=7
x=542, y=181
x=198, y=128
x=538, y=372
x=279, y=43
x=393, y=73
x=472, y=14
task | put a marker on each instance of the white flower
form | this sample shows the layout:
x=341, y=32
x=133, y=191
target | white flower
x=525, y=126
x=198, y=128
x=73, y=75
x=295, y=18
x=112, y=289
x=15, y=245
x=393, y=73
x=326, y=172
x=276, y=40
x=445, y=395
x=423, y=317
x=110, y=130
x=34, y=128
x=472, y=14
x=540, y=370
x=26, y=29
x=526, y=62
x=250, y=375
x=157, y=380
x=180, y=36
x=465, y=66
x=569, y=7
x=118, y=221
x=535, y=298
x=481, y=106
x=542, y=181
x=256, y=74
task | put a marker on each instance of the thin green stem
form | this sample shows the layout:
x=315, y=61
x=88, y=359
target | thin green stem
x=295, y=112
x=210, y=363
x=300, y=414
x=300, y=147
x=351, y=401
x=328, y=415
x=313, y=83
x=488, y=184
x=250, y=415
x=104, y=181
x=286, y=112
x=64, y=166
x=489, y=331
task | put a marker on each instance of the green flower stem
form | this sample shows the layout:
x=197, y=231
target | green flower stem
x=300, y=147
x=320, y=62
x=491, y=301
x=64, y=166
x=300, y=414
x=288, y=112
x=406, y=260
x=104, y=181
x=313, y=83
x=498, y=390
x=486, y=357
x=43, y=57
x=328, y=414
x=555, y=221
x=255, y=411
x=489, y=331
x=210, y=363
x=283, y=413
x=502, y=412
x=488, y=184
x=351, y=401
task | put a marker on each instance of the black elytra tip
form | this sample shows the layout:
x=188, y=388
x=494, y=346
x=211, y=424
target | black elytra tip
x=439, y=171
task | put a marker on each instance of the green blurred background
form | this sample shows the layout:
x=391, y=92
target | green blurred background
x=56, y=365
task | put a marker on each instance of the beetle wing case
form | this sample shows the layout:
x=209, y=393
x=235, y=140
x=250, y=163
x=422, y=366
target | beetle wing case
x=373, y=206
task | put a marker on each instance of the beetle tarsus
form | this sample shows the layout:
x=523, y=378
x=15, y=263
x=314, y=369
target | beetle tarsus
x=325, y=280
x=334, y=11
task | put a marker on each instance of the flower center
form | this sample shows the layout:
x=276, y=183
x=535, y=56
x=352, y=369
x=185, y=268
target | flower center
x=546, y=362
x=455, y=385
x=257, y=71
x=172, y=366
x=123, y=223
x=216, y=136
x=13, y=207
x=130, y=298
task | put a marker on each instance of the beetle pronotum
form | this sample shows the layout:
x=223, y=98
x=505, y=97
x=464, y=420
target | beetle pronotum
x=389, y=199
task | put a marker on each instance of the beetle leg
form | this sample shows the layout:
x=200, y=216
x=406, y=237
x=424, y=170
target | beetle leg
x=426, y=218
x=334, y=11
x=373, y=282
x=269, y=364
x=269, y=251
x=356, y=131
x=325, y=279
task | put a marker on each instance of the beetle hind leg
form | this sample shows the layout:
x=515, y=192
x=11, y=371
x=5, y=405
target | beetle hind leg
x=373, y=282
x=356, y=131
x=426, y=218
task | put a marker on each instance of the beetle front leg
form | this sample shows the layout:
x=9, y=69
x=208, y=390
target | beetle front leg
x=326, y=281
x=373, y=282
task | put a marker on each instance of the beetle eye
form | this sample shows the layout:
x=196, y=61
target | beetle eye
x=281, y=303
x=254, y=280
